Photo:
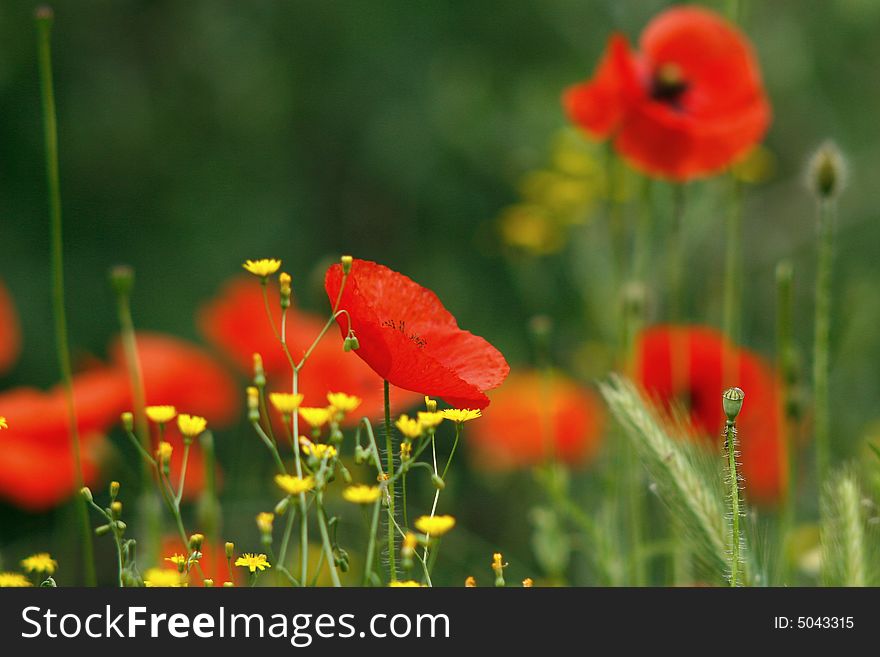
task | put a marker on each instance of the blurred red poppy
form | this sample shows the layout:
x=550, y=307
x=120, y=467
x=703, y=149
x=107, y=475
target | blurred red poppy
x=535, y=417
x=236, y=322
x=182, y=374
x=36, y=466
x=685, y=365
x=690, y=103
x=410, y=339
x=10, y=332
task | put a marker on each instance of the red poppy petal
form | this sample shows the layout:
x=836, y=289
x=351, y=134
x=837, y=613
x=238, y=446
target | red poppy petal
x=37, y=476
x=410, y=339
x=10, y=331
x=179, y=373
x=598, y=105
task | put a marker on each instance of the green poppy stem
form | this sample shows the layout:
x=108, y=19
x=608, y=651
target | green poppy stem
x=44, y=17
x=389, y=458
x=821, y=345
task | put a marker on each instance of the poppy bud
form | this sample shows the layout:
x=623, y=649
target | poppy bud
x=826, y=172
x=732, y=401
x=122, y=279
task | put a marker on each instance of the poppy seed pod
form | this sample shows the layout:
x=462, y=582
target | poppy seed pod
x=732, y=401
x=826, y=172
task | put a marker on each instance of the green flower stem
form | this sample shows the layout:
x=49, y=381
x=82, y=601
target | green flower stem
x=432, y=557
x=821, y=345
x=270, y=445
x=371, y=545
x=389, y=457
x=730, y=440
x=183, y=466
x=784, y=357
x=116, y=538
x=733, y=263
x=677, y=254
x=288, y=531
x=325, y=539
x=44, y=18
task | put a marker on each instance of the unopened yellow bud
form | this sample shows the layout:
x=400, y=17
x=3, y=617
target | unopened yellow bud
x=230, y=550
x=228, y=585
x=265, y=521
x=208, y=582
x=114, y=489
x=284, y=286
x=470, y=582
x=116, y=509
x=259, y=372
x=430, y=404
x=528, y=582
x=346, y=261
x=195, y=542
x=128, y=421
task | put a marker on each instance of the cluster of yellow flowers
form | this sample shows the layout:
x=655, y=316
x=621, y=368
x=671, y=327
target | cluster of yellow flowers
x=41, y=564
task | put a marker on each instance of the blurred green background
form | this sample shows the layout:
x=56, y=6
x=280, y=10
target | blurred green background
x=196, y=134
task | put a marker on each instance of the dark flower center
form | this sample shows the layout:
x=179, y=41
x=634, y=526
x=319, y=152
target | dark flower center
x=667, y=85
x=400, y=325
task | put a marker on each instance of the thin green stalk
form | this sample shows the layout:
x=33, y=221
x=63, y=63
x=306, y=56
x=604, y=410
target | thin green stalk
x=821, y=345
x=389, y=457
x=730, y=441
x=325, y=539
x=303, y=509
x=183, y=466
x=733, y=263
x=44, y=18
x=677, y=254
x=371, y=545
x=785, y=365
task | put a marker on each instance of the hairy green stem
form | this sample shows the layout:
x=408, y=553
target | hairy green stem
x=389, y=458
x=371, y=545
x=730, y=440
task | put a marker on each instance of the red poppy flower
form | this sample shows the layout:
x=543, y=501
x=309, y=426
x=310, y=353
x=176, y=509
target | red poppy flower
x=180, y=373
x=410, y=339
x=10, y=332
x=535, y=417
x=687, y=105
x=686, y=365
x=236, y=322
x=36, y=466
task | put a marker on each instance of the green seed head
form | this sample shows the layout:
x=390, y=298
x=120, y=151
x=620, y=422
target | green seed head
x=732, y=400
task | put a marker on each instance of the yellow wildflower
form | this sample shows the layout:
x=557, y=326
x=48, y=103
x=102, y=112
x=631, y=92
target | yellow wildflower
x=361, y=494
x=470, y=582
x=265, y=521
x=461, y=414
x=410, y=542
x=405, y=450
x=342, y=402
x=294, y=485
x=161, y=414
x=13, y=580
x=164, y=451
x=263, y=268
x=318, y=450
x=3, y=424
x=163, y=577
x=435, y=525
x=528, y=582
x=40, y=563
x=409, y=583
x=253, y=562
x=409, y=427
x=285, y=402
x=315, y=417
x=191, y=425
x=177, y=559
x=430, y=420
